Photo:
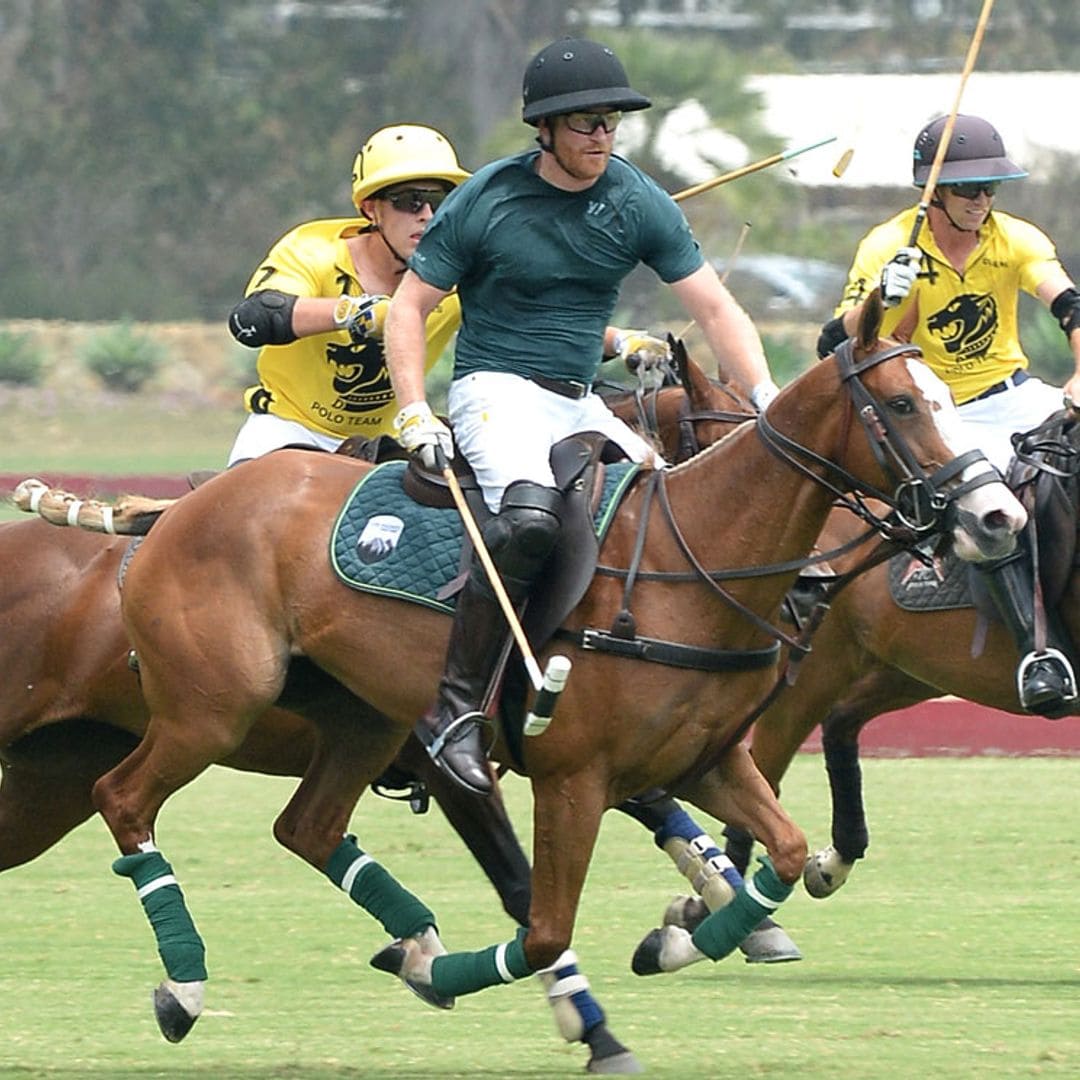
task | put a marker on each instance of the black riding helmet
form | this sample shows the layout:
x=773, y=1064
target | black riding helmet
x=975, y=152
x=573, y=75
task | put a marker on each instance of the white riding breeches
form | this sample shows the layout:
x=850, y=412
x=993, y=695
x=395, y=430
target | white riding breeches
x=1020, y=408
x=263, y=432
x=506, y=425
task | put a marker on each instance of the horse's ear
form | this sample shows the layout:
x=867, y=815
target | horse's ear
x=905, y=328
x=873, y=311
x=693, y=378
x=679, y=356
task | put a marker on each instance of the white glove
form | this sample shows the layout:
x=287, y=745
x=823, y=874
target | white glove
x=422, y=433
x=640, y=351
x=899, y=275
x=762, y=394
x=363, y=316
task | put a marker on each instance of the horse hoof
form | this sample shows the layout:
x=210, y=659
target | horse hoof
x=688, y=912
x=393, y=959
x=768, y=943
x=609, y=1056
x=624, y=1064
x=173, y=1019
x=825, y=871
x=646, y=960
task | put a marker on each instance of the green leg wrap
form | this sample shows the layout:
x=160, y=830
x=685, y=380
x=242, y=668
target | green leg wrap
x=179, y=945
x=722, y=931
x=377, y=892
x=466, y=972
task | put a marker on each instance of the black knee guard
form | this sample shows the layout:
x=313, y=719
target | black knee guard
x=523, y=533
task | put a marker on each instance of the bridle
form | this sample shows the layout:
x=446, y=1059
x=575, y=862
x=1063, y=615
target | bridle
x=919, y=500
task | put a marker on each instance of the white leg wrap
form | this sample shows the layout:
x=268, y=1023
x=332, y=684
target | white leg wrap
x=559, y=993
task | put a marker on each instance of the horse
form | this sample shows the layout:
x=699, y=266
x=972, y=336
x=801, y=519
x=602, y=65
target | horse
x=872, y=656
x=64, y=639
x=755, y=499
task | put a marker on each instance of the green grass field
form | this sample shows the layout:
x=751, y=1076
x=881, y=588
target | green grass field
x=954, y=951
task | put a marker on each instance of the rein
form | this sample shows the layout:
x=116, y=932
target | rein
x=917, y=500
x=917, y=506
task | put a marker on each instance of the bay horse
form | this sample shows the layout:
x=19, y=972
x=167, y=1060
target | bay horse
x=871, y=656
x=71, y=707
x=253, y=542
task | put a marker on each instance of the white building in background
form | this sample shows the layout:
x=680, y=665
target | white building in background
x=880, y=115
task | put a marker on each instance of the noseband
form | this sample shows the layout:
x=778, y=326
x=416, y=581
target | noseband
x=919, y=500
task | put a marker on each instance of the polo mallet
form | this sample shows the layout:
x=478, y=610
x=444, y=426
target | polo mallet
x=744, y=232
x=746, y=170
x=950, y=123
x=550, y=684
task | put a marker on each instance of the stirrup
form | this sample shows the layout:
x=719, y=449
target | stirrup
x=1060, y=662
x=438, y=742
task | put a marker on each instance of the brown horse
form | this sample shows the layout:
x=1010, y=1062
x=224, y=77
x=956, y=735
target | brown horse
x=871, y=656
x=63, y=638
x=252, y=542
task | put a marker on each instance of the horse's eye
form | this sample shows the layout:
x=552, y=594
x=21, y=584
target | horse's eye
x=902, y=405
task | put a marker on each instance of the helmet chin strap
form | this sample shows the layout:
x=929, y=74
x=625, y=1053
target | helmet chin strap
x=949, y=218
x=390, y=247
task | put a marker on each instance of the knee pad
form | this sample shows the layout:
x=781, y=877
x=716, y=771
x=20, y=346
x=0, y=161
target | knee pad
x=523, y=533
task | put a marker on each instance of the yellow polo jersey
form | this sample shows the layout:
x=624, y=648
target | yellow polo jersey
x=324, y=381
x=967, y=323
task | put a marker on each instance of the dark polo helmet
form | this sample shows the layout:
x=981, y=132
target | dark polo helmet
x=975, y=152
x=573, y=75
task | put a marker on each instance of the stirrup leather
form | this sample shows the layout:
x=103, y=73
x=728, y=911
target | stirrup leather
x=1060, y=660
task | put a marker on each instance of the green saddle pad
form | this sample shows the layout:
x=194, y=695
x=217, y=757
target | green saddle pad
x=384, y=542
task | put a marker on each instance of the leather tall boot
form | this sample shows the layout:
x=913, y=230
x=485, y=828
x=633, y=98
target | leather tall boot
x=451, y=729
x=1045, y=681
x=519, y=539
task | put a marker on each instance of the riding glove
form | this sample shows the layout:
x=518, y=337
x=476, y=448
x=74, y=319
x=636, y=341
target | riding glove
x=422, y=433
x=363, y=316
x=639, y=350
x=899, y=275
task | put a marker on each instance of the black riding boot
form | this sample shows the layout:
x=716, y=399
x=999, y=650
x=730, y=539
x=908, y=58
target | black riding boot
x=519, y=539
x=1045, y=682
x=451, y=729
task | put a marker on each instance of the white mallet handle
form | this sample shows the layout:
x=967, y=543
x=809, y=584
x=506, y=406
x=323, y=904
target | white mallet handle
x=555, y=676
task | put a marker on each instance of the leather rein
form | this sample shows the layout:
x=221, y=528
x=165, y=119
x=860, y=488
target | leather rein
x=919, y=504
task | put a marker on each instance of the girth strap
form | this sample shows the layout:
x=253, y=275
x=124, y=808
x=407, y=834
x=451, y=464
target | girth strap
x=672, y=653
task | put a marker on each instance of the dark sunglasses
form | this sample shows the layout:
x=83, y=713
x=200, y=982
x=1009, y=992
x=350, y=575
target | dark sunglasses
x=585, y=123
x=973, y=191
x=413, y=200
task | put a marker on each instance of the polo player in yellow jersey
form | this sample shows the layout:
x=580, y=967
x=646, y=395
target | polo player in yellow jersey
x=315, y=306
x=955, y=294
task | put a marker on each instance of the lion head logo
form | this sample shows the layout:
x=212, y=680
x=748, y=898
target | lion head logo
x=360, y=379
x=966, y=325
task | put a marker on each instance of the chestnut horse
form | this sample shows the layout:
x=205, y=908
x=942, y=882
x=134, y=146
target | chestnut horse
x=64, y=639
x=871, y=656
x=253, y=542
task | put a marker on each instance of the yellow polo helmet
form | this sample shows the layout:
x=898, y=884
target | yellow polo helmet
x=403, y=152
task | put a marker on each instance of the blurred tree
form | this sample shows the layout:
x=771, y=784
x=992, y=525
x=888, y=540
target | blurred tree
x=154, y=149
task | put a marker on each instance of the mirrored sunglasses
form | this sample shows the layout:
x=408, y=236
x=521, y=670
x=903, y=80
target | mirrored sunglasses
x=413, y=200
x=585, y=123
x=973, y=191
